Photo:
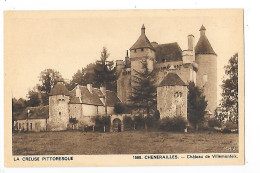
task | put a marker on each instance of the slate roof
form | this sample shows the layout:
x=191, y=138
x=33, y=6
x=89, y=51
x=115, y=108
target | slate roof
x=142, y=42
x=111, y=98
x=59, y=89
x=203, y=46
x=172, y=79
x=40, y=112
x=86, y=97
x=168, y=52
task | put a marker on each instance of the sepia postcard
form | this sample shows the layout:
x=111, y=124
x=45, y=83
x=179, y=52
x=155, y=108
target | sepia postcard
x=124, y=88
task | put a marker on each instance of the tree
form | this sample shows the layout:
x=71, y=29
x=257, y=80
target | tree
x=33, y=98
x=229, y=102
x=83, y=76
x=104, y=72
x=144, y=94
x=196, y=105
x=48, y=79
x=18, y=107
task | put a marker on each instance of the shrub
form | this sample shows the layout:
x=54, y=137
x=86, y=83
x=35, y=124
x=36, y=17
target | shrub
x=230, y=127
x=153, y=121
x=119, y=108
x=177, y=123
x=213, y=122
x=139, y=122
x=100, y=122
x=128, y=123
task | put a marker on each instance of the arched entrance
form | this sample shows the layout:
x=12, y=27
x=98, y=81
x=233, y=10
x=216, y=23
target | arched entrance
x=117, y=125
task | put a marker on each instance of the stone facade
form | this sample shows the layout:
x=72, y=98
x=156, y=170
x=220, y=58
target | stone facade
x=197, y=64
x=176, y=102
x=32, y=125
x=58, y=112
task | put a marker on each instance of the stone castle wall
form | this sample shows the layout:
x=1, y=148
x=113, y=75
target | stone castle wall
x=75, y=110
x=58, y=112
x=172, y=101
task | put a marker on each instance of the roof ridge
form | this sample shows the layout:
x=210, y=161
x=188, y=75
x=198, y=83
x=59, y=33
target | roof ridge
x=168, y=43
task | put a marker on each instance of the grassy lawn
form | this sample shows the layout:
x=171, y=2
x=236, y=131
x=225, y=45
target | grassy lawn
x=134, y=142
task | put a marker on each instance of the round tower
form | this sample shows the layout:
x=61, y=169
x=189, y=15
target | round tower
x=58, y=107
x=142, y=50
x=206, y=58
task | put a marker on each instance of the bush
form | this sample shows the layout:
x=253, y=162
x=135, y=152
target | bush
x=153, y=121
x=139, y=122
x=100, y=122
x=177, y=123
x=213, y=122
x=230, y=127
x=128, y=123
x=121, y=108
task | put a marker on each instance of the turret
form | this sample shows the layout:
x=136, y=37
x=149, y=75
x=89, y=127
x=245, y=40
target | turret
x=206, y=58
x=142, y=50
x=58, y=107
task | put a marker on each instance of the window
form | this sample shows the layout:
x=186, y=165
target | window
x=178, y=94
x=135, y=50
x=142, y=49
x=31, y=126
x=163, y=60
x=59, y=113
x=205, y=79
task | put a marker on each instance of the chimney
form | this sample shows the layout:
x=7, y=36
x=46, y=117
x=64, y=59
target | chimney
x=143, y=30
x=103, y=89
x=191, y=42
x=78, y=93
x=90, y=88
x=127, y=60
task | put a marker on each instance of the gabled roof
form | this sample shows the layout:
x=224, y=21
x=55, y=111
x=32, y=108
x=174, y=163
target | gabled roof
x=111, y=98
x=168, y=52
x=39, y=112
x=142, y=41
x=172, y=79
x=59, y=89
x=203, y=46
x=86, y=97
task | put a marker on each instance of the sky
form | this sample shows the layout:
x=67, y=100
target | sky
x=69, y=40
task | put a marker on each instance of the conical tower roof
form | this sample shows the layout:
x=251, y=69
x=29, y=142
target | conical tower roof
x=172, y=79
x=203, y=46
x=59, y=89
x=142, y=41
